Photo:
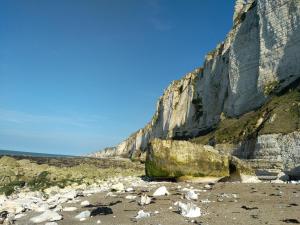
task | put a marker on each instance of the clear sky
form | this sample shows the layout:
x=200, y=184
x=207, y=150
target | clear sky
x=80, y=75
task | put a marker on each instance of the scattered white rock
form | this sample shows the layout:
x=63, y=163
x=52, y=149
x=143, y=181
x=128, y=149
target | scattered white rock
x=191, y=195
x=130, y=189
x=295, y=182
x=70, y=194
x=207, y=186
x=145, y=200
x=130, y=197
x=188, y=210
x=141, y=214
x=51, y=223
x=3, y=198
x=46, y=216
x=205, y=201
x=18, y=216
x=110, y=194
x=85, y=203
x=118, y=187
x=58, y=208
x=161, y=191
x=83, y=215
x=250, y=179
x=41, y=207
x=277, y=182
x=98, y=221
x=69, y=209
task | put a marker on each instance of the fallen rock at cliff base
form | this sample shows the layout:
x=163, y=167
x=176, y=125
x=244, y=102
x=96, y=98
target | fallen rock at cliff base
x=173, y=159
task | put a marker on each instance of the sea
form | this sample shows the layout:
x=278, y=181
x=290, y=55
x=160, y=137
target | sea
x=33, y=154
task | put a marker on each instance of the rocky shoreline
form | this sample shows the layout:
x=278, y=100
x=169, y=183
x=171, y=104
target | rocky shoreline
x=129, y=200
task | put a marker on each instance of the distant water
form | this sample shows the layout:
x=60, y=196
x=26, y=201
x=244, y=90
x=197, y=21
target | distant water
x=34, y=154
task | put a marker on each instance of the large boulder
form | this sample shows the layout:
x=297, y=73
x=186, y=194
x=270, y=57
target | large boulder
x=174, y=159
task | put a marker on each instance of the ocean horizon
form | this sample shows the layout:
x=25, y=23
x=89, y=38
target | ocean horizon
x=34, y=154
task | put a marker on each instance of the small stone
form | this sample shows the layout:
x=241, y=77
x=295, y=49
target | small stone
x=69, y=209
x=85, y=203
x=141, y=214
x=145, y=200
x=118, y=187
x=18, y=216
x=83, y=215
x=191, y=195
x=51, y=223
x=46, y=216
x=161, y=191
x=207, y=186
x=188, y=210
x=130, y=189
x=130, y=197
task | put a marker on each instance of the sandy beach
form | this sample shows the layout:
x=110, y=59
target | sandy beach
x=220, y=203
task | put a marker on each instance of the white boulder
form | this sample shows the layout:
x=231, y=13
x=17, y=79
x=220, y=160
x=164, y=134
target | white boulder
x=145, y=200
x=191, y=195
x=188, y=210
x=141, y=214
x=161, y=191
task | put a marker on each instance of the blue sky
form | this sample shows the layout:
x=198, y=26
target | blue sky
x=80, y=75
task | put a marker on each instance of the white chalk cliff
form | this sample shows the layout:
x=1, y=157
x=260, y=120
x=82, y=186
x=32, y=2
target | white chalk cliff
x=260, y=52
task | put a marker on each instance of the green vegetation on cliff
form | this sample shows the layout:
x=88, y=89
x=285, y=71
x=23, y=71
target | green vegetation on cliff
x=281, y=114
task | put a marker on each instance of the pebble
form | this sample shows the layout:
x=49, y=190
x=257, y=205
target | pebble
x=118, y=187
x=85, y=203
x=191, y=195
x=51, y=223
x=189, y=210
x=46, y=216
x=145, y=200
x=69, y=209
x=161, y=191
x=130, y=197
x=83, y=215
x=141, y=214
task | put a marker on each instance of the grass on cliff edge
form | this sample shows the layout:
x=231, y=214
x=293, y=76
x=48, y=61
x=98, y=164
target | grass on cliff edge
x=281, y=114
x=16, y=173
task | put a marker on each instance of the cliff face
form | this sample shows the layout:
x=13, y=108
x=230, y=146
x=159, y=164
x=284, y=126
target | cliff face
x=260, y=56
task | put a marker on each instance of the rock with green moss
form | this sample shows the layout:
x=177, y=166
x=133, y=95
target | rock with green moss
x=174, y=159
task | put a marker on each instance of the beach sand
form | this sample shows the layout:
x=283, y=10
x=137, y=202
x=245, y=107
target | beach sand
x=224, y=203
